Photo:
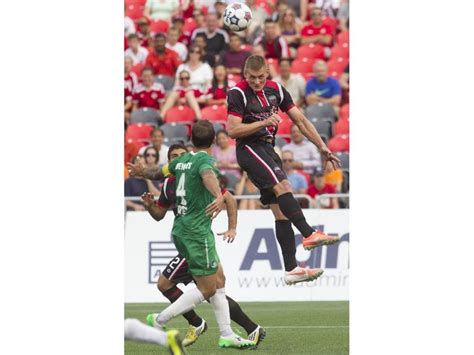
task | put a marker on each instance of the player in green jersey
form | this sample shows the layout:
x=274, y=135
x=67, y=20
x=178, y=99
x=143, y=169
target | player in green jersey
x=198, y=188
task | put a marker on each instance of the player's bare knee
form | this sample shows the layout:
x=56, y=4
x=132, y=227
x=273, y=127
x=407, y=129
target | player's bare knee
x=282, y=187
x=207, y=291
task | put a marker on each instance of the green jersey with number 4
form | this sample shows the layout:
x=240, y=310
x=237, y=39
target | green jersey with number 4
x=192, y=197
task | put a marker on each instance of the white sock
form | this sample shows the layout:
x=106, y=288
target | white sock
x=136, y=330
x=186, y=302
x=220, y=305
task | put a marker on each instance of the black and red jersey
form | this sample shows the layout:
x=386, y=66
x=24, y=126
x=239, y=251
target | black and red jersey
x=252, y=106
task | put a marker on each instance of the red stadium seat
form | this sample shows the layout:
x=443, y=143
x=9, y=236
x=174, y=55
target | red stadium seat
x=135, y=2
x=338, y=63
x=344, y=112
x=159, y=26
x=137, y=69
x=180, y=114
x=274, y=62
x=339, y=51
x=234, y=77
x=343, y=39
x=138, y=132
x=308, y=76
x=303, y=65
x=284, y=127
x=215, y=113
x=134, y=11
x=339, y=143
x=189, y=25
x=265, y=5
x=311, y=50
x=341, y=127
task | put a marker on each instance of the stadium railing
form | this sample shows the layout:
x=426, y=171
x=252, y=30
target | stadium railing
x=311, y=201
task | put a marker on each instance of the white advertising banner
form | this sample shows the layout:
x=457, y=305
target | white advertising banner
x=253, y=263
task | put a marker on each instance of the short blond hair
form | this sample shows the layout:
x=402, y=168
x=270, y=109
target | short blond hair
x=255, y=62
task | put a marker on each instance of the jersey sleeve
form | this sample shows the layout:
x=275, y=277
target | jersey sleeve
x=287, y=102
x=163, y=200
x=207, y=163
x=235, y=103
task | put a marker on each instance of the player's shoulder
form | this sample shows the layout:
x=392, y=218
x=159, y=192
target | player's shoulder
x=273, y=85
x=238, y=90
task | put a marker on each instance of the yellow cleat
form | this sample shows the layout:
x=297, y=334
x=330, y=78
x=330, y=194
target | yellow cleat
x=175, y=344
x=194, y=333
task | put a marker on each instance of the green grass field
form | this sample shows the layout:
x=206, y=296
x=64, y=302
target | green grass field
x=319, y=328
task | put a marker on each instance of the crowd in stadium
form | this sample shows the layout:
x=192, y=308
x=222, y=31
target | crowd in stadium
x=180, y=61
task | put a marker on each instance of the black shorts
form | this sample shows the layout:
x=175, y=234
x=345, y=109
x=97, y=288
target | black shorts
x=177, y=270
x=263, y=166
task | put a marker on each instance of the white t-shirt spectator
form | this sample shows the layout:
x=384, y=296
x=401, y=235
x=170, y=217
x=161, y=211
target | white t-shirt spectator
x=179, y=48
x=129, y=26
x=305, y=152
x=139, y=57
x=200, y=77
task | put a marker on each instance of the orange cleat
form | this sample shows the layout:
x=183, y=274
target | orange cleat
x=317, y=239
x=299, y=274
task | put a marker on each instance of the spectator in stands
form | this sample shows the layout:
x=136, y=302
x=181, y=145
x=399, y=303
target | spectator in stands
x=148, y=93
x=343, y=15
x=290, y=29
x=258, y=50
x=201, y=73
x=274, y=45
x=306, y=155
x=161, y=9
x=183, y=93
x=178, y=23
x=130, y=82
x=294, y=83
x=217, y=39
x=334, y=177
x=224, y=152
x=297, y=181
x=322, y=88
x=135, y=50
x=172, y=43
x=163, y=60
x=344, y=83
x=280, y=8
x=136, y=186
x=218, y=9
x=246, y=187
x=217, y=94
x=157, y=137
x=317, y=32
x=129, y=26
x=143, y=32
x=200, y=41
x=235, y=57
x=259, y=15
x=319, y=187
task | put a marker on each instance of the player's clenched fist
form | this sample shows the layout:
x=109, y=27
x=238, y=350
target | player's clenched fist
x=273, y=120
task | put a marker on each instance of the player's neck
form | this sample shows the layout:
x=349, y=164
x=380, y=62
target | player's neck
x=207, y=150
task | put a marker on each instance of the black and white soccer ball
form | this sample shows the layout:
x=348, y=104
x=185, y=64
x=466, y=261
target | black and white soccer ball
x=237, y=16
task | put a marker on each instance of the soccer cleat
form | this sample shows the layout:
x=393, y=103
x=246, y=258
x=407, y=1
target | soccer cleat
x=234, y=341
x=194, y=333
x=151, y=321
x=175, y=345
x=299, y=274
x=257, y=335
x=317, y=239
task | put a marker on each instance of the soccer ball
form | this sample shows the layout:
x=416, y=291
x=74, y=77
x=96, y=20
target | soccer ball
x=237, y=16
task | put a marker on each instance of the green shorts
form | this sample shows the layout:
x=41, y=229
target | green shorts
x=201, y=254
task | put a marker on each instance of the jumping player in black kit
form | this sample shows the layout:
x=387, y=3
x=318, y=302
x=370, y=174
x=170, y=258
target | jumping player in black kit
x=177, y=269
x=252, y=119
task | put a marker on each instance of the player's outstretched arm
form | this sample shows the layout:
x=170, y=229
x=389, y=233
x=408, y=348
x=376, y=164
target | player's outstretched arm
x=310, y=132
x=152, y=173
x=157, y=212
x=237, y=129
x=231, y=204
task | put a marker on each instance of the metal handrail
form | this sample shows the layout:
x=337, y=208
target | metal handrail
x=337, y=195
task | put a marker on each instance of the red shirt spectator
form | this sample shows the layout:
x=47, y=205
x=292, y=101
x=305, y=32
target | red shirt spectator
x=274, y=46
x=163, y=60
x=182, y=91
x=130, y=80
x=319, y=187
x=317, y=32
x=148, y=94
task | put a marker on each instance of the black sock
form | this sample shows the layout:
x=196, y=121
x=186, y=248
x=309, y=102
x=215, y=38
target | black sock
x=292, y=210
x=286, y=239
x=173, y=294
x=239, y=317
